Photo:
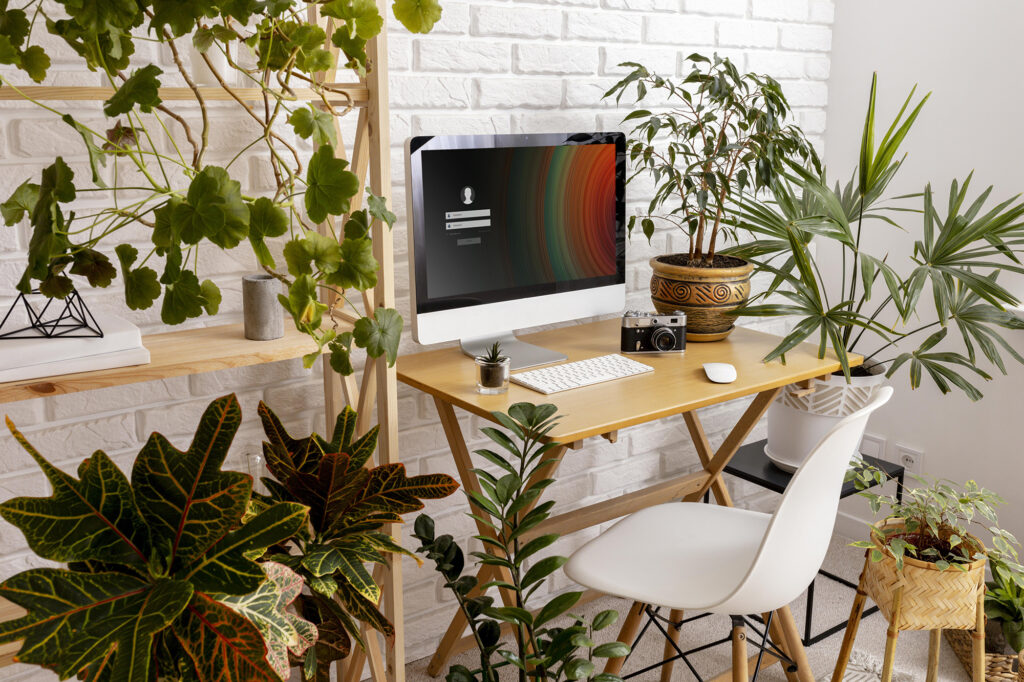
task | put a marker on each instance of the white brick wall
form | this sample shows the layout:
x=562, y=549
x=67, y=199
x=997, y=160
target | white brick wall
x=491, y=66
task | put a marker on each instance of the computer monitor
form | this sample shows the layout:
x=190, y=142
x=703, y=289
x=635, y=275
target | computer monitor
x=514, y=231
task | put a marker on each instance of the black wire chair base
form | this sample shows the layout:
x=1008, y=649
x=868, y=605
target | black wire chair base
x=70, y=318
x=762, y=642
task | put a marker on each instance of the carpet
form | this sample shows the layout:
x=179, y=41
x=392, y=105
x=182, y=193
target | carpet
x=864, y=667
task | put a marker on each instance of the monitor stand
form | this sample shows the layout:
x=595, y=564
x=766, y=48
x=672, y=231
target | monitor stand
x=520, y=353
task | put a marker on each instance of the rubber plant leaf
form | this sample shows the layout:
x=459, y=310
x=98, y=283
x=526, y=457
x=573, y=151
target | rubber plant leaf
x=268, y=609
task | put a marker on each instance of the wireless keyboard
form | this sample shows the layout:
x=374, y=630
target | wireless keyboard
x=580, y=373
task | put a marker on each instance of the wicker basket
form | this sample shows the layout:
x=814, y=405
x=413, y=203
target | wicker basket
x=998, y=667
x=932, y=599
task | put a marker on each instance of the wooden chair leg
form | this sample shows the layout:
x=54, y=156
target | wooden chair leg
x=851, y=628
x=627, y=633
x=794, y=645
x=978, y=643
x=891, y=634
x=934, y=641
x=739, y=650
x=676, y=616
x=779, y=637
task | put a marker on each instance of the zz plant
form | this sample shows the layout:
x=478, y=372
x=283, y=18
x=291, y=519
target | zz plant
x=160, y=580
x=163, y=180
x=509, y=505
x=350, y=503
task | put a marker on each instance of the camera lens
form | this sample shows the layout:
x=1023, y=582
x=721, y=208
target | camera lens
x=663, y=339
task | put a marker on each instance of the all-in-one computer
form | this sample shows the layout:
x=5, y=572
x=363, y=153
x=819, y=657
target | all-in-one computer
x=514, y=231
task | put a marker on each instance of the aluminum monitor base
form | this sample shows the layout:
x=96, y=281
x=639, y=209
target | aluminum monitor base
x=520, y=353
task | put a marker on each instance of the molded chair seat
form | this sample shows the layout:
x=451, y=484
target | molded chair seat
x=708, y=547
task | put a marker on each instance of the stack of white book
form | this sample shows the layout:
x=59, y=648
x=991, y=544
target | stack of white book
x=32, y=357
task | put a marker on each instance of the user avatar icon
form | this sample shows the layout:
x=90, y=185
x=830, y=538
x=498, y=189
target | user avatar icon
x=468, y=195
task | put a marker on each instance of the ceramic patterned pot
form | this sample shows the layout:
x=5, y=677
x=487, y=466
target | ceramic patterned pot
x=706, y=295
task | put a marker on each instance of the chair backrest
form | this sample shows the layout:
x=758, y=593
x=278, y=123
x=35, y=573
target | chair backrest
x=799, y=532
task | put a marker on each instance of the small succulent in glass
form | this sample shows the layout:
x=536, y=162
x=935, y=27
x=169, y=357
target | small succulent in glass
x=492, y=371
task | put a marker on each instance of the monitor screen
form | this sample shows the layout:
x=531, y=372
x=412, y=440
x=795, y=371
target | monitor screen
x=505, y=217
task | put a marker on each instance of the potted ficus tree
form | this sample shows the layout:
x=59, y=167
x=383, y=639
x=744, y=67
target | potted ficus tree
x=168, y=182
x=895, y=318
x=721, y=134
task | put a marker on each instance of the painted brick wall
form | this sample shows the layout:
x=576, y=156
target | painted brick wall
x=489, y=67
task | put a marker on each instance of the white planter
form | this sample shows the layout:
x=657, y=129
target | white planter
x=796, y=424
x=201, y=73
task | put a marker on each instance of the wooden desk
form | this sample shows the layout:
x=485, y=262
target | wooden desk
x=677, y=386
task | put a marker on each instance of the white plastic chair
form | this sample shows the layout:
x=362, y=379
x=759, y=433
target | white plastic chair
x=724, y=560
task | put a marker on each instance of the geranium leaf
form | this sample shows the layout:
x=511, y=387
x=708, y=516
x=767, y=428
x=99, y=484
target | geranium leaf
x=21, y=202
x=266, y=221
x=183, y=298
x=142, y=88
x=329, y=187
x=35, y=62
x=214, y=209
x=312, y=123
x=91, y=518
x=378, y=208
x=94, y=266
x=381, y=334
x=303, y=303
x=96, y=156
x=267, y=609
x=418, y=16
x=141, y=287
x=357, y=267
x=188, y=502
x=222, y=644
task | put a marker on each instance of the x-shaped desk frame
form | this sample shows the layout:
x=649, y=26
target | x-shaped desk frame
x=677, y=386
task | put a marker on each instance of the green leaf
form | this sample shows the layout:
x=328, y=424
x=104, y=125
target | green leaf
x=22, y=201
x=35, y=62
x=91, y=518
x=380, y=335
x=604, y=619
x=341, y=354
x=94, y=266
x=542, y=569
x=303, y=304
x=611, y=650
x=578, y=669
x=316, y=124
x=378, y=208
x=141, y=88
x=214, y=209
x=141, y=287
x=97, y=157
x=556, y=607
x=418, y=16
x=266, y=221
x=267, y=608
x=210, y=294
x=186, y=499
x=357, y=267
x=329, y=187
x=183, y=299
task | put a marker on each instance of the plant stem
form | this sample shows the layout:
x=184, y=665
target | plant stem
x=902, y=336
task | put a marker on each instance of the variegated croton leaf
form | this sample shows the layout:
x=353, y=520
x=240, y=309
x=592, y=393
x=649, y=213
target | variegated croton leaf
x=143, y=559
x=350, y=503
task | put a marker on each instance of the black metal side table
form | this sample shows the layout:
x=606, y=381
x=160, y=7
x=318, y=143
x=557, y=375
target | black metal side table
x=751, y=464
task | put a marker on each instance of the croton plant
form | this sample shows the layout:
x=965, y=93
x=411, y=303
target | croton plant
x=150, y=166
x=182, y=573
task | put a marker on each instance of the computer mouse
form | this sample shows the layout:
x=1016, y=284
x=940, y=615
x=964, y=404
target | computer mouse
x=720, y=372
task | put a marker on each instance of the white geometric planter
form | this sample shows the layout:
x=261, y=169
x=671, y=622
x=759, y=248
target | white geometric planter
x=796, y=424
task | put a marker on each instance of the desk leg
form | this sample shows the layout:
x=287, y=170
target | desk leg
x=460, y=452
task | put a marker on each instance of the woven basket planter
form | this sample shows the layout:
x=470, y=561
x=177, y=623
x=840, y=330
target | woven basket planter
x=998, y=667
x=932, y=599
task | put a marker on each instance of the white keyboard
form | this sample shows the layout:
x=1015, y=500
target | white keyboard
x=580, y=373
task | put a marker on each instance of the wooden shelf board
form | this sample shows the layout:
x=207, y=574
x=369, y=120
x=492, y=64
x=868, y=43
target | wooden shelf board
x=172, y=354
x=357, y=91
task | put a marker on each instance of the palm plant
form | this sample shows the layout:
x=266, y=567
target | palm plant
x=957, y=256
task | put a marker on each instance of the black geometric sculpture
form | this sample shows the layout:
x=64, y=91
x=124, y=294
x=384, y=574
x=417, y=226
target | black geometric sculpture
x=69, y=318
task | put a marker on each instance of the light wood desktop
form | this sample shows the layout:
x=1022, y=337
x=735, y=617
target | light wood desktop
x=678, y=385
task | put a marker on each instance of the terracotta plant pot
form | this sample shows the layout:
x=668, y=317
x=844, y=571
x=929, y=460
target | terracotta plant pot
x=705, y=294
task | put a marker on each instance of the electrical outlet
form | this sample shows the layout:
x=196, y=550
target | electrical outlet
x=911, y=459
x=872, y=446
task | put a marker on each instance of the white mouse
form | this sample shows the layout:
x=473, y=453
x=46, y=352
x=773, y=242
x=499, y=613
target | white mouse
x=720, y=372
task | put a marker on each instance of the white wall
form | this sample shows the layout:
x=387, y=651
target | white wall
x=489, y=66
x=969, y=55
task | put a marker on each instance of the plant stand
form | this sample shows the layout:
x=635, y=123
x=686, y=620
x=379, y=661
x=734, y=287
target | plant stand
x=998, y=667
x=213, y=348
x=920, y=604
